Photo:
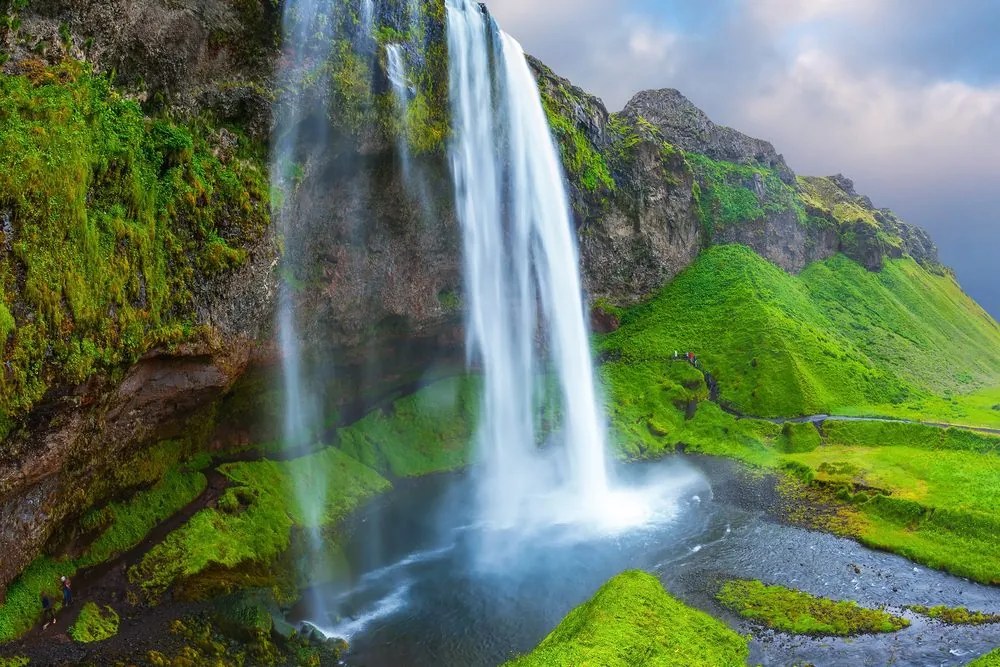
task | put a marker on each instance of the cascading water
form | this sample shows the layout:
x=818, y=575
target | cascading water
x=522, y=279
x=396, y=66
x=308, y=38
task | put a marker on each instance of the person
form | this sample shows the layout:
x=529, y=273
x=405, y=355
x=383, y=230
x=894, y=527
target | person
x=48, y=615
x=67, y=590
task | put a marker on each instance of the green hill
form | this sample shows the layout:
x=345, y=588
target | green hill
x=632, y=621
x=835, y=339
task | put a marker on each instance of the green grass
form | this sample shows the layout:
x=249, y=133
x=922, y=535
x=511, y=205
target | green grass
x=793, y=611
x=116, y=217
x=836, y=339
x=15, y=661
x=251, y=526
x=128, y=523
x=839, y=340
x=120, y=526
x=632, y=621
x=22, y=606
x=429, y=431
x=991, y=659
x=956, y=615
x=94, y=624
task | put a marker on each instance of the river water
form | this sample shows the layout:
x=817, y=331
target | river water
x=424, y=592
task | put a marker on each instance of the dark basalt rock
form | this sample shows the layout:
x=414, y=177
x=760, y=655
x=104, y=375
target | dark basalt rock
x=687, y=127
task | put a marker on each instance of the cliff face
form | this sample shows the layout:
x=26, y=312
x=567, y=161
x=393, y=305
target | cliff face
x=132, y=352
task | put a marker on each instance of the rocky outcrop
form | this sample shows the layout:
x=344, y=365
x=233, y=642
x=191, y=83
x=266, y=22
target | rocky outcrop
x=687, y=127
x=784, y=239
x=195, y=55
x=637, y=221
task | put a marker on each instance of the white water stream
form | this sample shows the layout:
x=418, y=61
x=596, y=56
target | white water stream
x=525, y=309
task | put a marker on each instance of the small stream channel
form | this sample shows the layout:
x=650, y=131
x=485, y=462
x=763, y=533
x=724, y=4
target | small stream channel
x=425, y=591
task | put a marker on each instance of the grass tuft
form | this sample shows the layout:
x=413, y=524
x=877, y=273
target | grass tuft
x=793, y=611
x=94, y=624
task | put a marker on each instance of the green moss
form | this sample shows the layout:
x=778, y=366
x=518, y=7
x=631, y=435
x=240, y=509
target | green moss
x=956, y=615
x=126, y=524
x=799, y=438
x=800, y=613
x=94, y=624
x=15, y=661
x=581, y=158
x=113, y=217
x=252, y=523
x=429, y=431
x=727, y=196
x=632, y=621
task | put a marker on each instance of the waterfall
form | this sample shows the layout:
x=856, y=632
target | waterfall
x=308, y=40
x=525, y=310
x=401, y=90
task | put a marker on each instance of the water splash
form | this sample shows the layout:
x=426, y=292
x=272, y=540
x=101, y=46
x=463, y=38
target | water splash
x=522, y=284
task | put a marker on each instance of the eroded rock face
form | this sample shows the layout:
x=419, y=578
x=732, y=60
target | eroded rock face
x=784, y=240
x=689, y=128
x=88, y=445
x=643, y=233
x=643, y=237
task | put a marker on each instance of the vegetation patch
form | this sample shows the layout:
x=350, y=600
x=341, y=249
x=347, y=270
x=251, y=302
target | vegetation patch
x=732, y=193
x=793, y=611
x=14, y=661
x=581, y=158
x=111, y=218
x=632, y=621
x=94, y=624
x=126, y=524
x=956, y=615
x=23, y=606
x=837, y=339
x=251, y=526
x=429, y=431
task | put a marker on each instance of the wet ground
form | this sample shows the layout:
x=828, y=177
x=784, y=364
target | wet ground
x=431, y=587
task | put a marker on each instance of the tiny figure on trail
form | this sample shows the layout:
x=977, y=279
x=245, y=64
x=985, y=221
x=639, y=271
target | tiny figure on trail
x=67, y=589
x=48, y=614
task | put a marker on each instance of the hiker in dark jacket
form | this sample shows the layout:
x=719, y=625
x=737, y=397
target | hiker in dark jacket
x=48, y=614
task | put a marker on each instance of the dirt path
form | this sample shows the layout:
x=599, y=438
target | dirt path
x=714, y=396
x=108, y=584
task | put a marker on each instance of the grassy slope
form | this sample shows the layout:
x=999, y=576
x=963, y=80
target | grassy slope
x=632, y=621
x=800, y=613
x=784, y=345
x=835, y=339
x=120, y=527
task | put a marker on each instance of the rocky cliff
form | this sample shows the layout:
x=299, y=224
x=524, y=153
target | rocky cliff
x=139, y=265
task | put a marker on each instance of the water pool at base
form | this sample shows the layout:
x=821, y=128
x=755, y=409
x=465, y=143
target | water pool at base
x=431, y=587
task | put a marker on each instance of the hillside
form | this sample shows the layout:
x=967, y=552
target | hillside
x=835, y=339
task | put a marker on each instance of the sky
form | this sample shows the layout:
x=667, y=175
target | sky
x=902, y=96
